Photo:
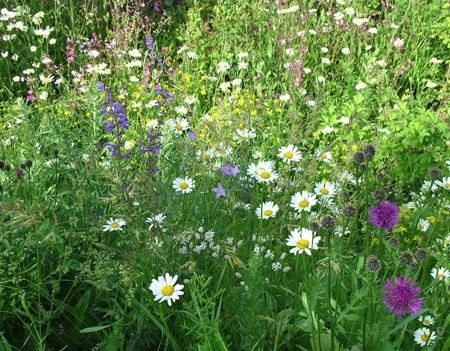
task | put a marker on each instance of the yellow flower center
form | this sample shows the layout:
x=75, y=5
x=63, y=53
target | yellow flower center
x=167, y=290
x=115, y=225
x=179, y=127
x=268, y=213
x=447, y=185
x=421, y=226
x=426, y=321
x=184, y=185
x=206, y=158
x=324, y=191
x=303, y=203
x=323, y=156
x=424, y=337
x=302, y=244
x=440, y=276
x=288, y=154
x=265, y=175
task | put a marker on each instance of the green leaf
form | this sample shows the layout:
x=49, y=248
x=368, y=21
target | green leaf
x=94, y=329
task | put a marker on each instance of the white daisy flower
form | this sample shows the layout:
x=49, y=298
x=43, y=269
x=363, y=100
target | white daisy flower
x=165, y=289
x=324, y=156
x=263, y=171
x=444, y=183
x=267, y=210
x=113, y=225
x=244, y=135
x=303, y=201
x=440, y=273
x=325, y=189
x=423, y=225
x=347, y=178
x=181, y=125
x=302, y=240
x=155, y=220
x=46, y=80
x=426, y=320
x=183, y=185
x=423, y=336
x=289, y=153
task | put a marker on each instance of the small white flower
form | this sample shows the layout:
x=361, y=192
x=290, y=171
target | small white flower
x=285, y=97
x=360, y=85
x=33, y=48
x=290, y=52
x=242, y=55
x=223, y=66
x=436, y=61
x=344, y=120
x=345, y=51
x=134, y=53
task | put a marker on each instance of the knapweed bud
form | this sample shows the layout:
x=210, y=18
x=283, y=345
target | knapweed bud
x=19, y=172
x=314, y=226
x=358, y=157
x=328, y=222
x=421, y=254
x=373, y=264
x=29, y=163
x=393, y=241
x=349, y=211
x=435, y=173
x=369, y=152
x=407, y=259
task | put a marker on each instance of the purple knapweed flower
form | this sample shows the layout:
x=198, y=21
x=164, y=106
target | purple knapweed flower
x=402, y=298
x=220, y=191
x=20, y=172
x=385, y=216
x=230, y=170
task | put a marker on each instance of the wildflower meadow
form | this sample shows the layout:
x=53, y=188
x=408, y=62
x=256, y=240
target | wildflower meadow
x=225, y=175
